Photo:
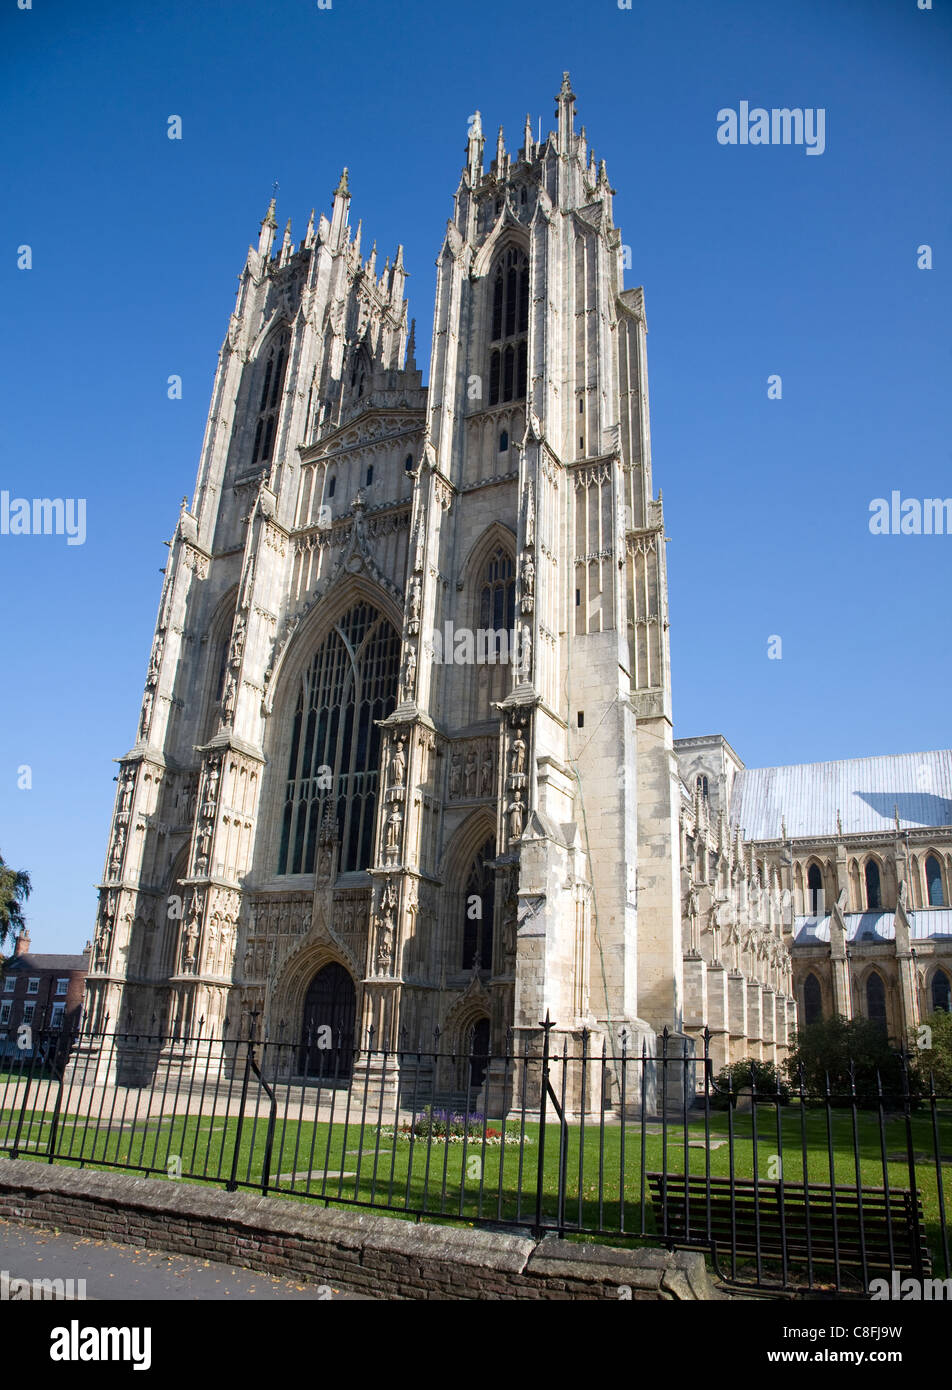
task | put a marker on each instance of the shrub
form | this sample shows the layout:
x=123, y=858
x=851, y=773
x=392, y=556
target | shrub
x=741, y=1077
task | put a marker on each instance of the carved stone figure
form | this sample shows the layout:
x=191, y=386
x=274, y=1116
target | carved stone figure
x=486, y=773
x=516, y=812
x=398, y=764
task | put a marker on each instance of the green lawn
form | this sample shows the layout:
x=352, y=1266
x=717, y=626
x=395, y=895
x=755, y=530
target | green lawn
x=342, y=1164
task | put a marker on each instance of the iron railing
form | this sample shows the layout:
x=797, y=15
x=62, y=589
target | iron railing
x=781, y=1187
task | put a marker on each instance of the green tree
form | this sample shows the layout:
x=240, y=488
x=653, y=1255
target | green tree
x=828, y=1049
x=14, y=890
x=937, y=1058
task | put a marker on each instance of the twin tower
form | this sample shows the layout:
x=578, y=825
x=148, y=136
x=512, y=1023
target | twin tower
x=345, y=805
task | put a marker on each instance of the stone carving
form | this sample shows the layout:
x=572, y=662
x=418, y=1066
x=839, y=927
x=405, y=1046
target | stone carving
x=516, y=812
x=472, y=771
x=398, y=764
x=409, y=672
x=528, y=583
x=414, y=606
x=115, y=855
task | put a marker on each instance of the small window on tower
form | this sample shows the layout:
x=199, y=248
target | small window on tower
x=331, y=486
x=504, y=441
x=370, y=475
x=408, y=463
x=522, y=195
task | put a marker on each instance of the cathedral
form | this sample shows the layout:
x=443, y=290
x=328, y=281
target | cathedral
x=405, y=757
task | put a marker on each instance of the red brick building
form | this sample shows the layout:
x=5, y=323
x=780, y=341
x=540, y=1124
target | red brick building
x=45, y=991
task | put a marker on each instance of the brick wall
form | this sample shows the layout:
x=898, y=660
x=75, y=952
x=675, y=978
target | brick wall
x=361, y=1253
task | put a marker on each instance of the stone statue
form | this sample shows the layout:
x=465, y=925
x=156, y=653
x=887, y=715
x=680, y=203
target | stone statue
x=398, y=764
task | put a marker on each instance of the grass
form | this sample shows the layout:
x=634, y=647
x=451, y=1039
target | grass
x=342, y=1165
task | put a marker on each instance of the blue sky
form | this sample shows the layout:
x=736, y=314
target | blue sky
x=755, y=261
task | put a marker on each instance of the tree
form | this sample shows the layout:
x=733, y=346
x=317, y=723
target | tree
x=15, y=888
x=832, y=1048
x=937, y=1058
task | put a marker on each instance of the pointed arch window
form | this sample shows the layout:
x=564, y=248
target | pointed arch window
x=815, y=890
x=334, y=761
x=934, y=882
x=269, y=402
x=497, y=593
x=703, y=786
x=874, y=897
x=876, y=1001
x=508, y=356
x=812, y=1000
x=479, y=902
x=941, y=992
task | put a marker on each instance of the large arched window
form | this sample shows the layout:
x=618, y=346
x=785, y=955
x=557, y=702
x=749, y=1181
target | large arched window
x=876, y=1000
x=941, y=992
x=269, y=402
x=509, y=285
x=812, y=1000
x=334, y=761
x=874, y=897
x=814, y=890
x=934, y=882
x=479, y=909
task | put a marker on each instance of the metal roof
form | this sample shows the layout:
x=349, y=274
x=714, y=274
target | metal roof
x=925, y=923
x=866, y=792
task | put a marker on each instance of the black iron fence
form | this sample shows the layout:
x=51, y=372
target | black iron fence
x=779, y=1186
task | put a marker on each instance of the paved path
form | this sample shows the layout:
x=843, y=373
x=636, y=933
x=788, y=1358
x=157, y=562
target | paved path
x=128, y=1272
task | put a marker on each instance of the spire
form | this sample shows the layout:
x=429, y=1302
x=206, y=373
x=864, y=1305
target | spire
x=286, y=244
x=474, y=148
x=268, y=229
x=565, y=111
x=500, y=153
x=527, y=138
x=372, y=260
x=309, y=234
x=357, y=236
x=411, y=347
x=339, y=215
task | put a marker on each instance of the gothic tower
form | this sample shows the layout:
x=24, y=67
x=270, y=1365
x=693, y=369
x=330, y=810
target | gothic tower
x=405, y=757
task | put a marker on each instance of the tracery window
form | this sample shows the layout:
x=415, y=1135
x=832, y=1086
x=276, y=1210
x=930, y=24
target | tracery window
x=269, y=404
x=934, y=882
x=941, y=992
x=874, y=897
x=334, y=761
x=508, y=355
x=497, y=593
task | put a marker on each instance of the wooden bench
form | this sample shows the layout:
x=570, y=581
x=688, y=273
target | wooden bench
x=767, y=1215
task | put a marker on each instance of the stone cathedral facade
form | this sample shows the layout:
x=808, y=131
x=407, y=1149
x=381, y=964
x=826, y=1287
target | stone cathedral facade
x=405, y=755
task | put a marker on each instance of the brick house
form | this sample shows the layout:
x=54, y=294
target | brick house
x=45, y=991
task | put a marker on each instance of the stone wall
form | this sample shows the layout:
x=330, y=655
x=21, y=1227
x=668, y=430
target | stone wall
x=362, y=1253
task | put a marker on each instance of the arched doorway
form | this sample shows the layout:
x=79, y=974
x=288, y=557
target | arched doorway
x=328, y=1025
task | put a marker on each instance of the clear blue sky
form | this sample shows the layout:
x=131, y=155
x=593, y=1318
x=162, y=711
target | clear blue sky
x=755, y=260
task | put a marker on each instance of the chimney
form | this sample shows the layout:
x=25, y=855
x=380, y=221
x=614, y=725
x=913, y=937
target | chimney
x=23, y=944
